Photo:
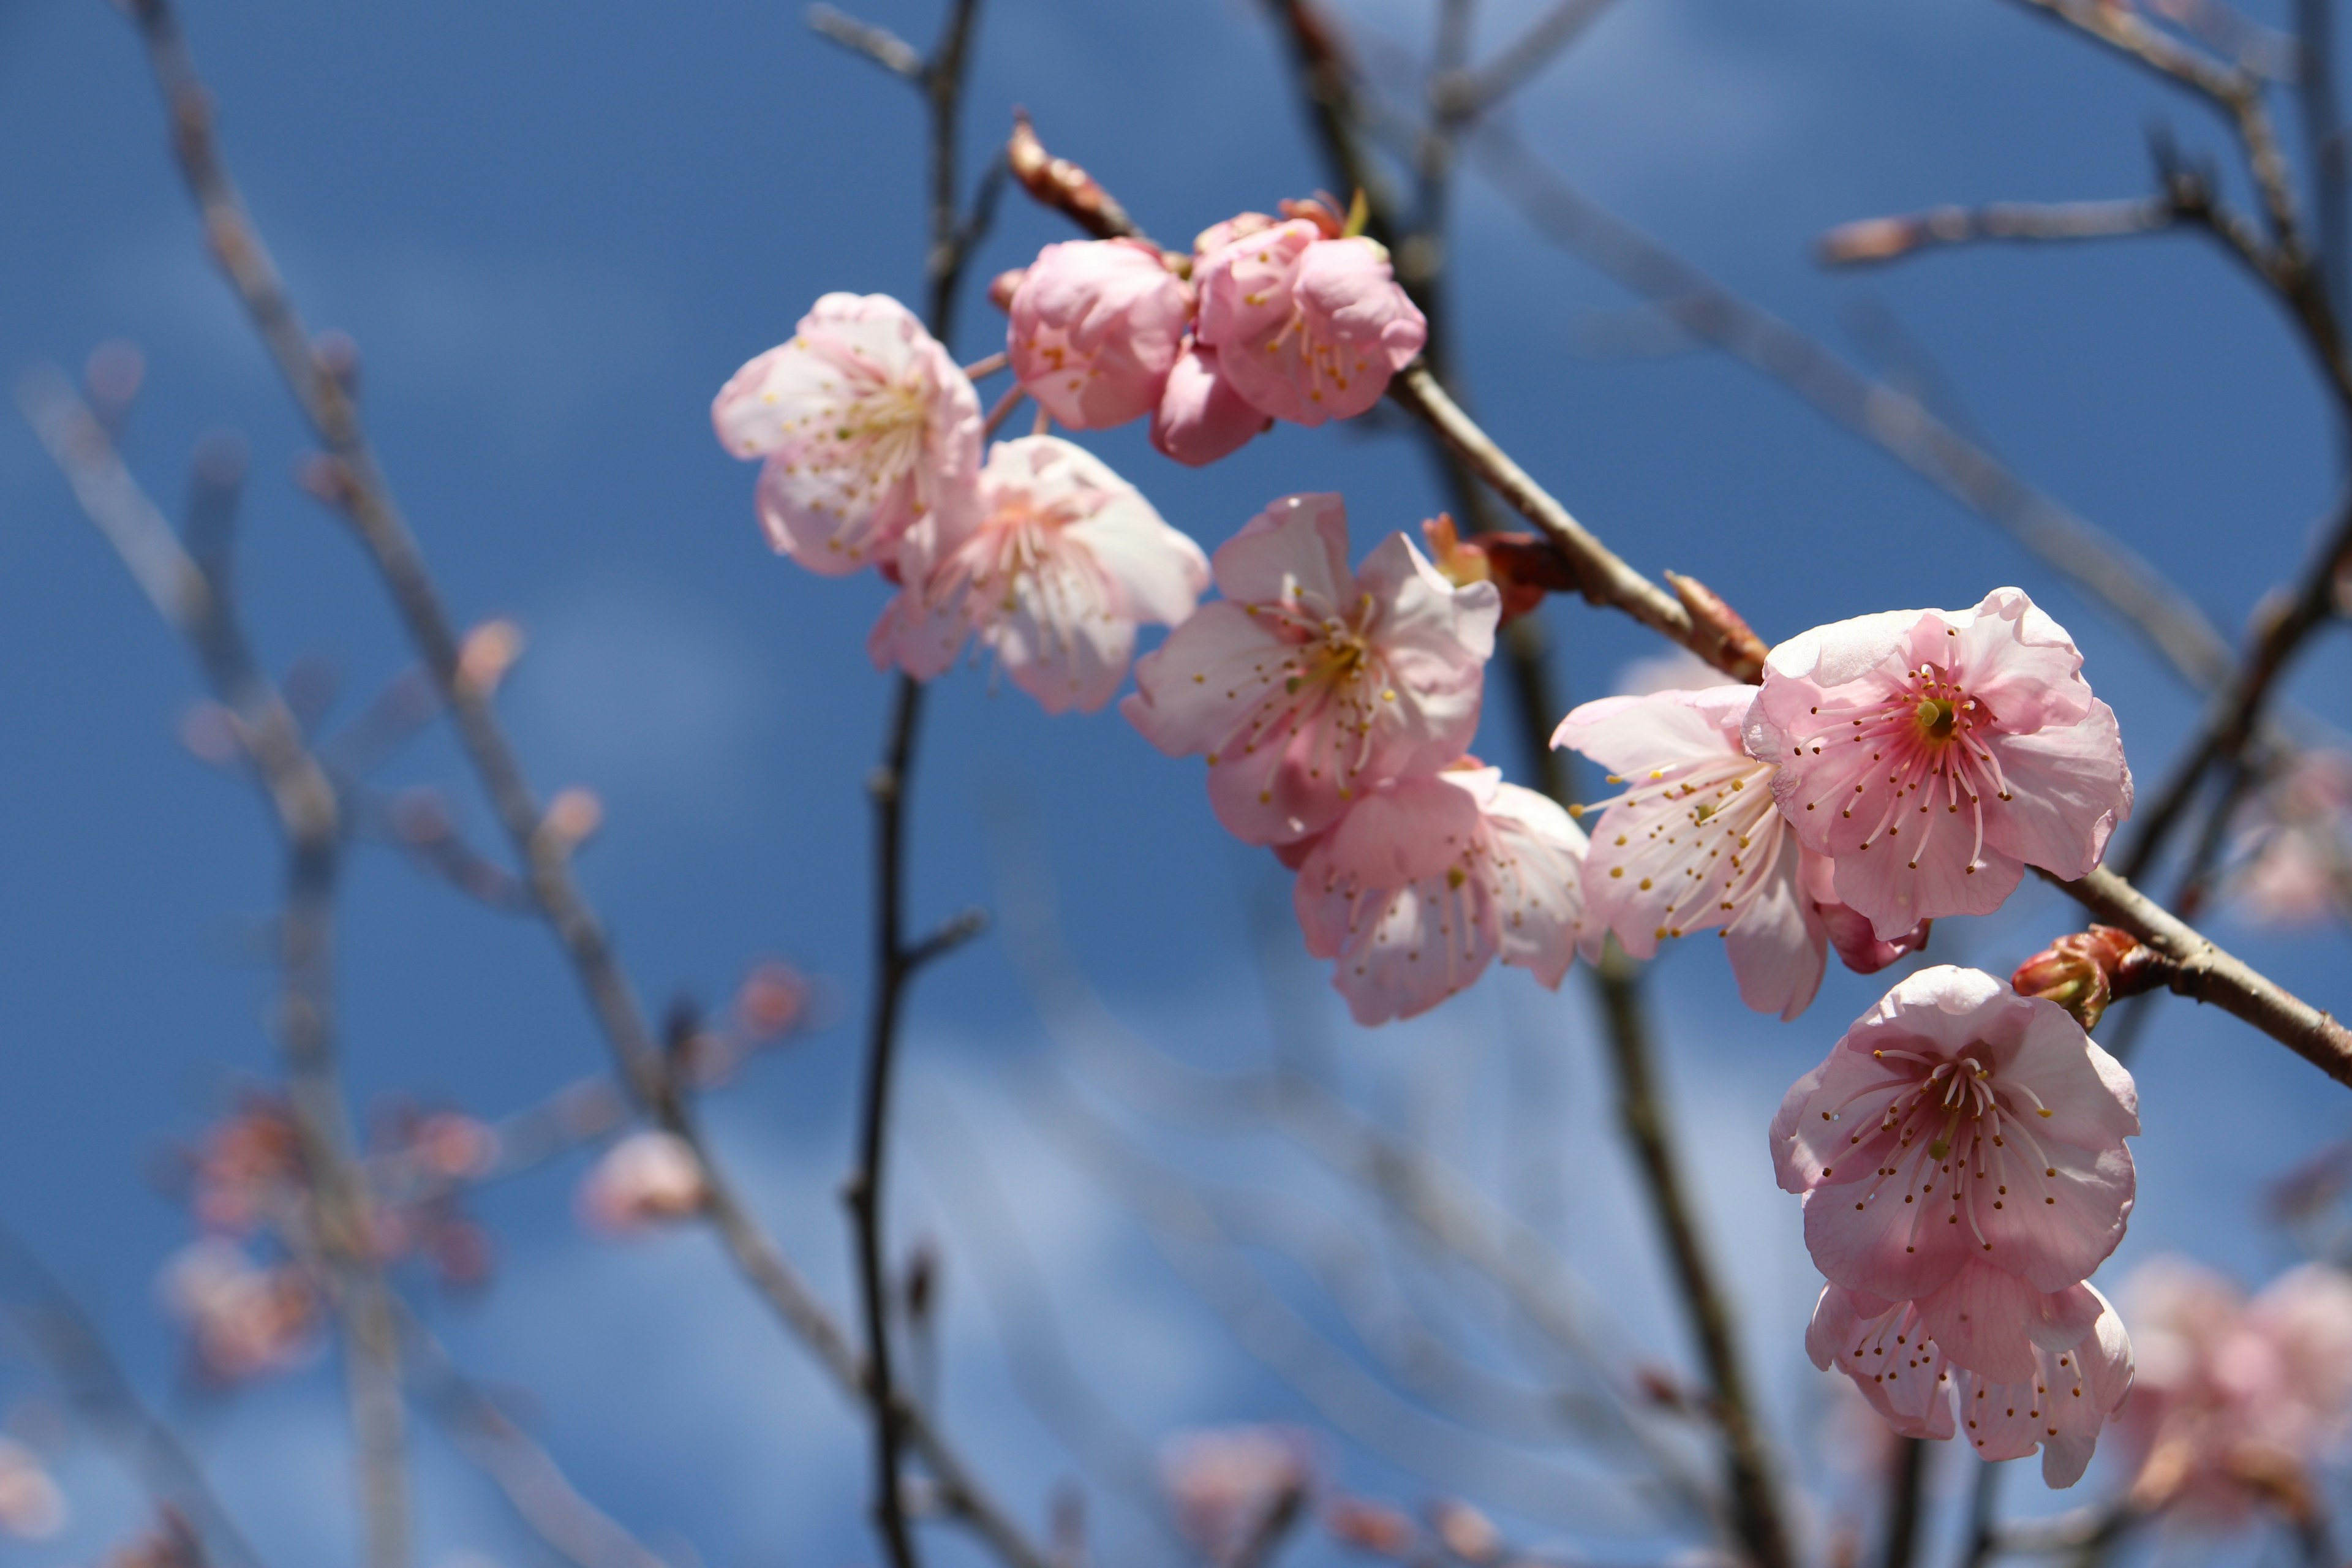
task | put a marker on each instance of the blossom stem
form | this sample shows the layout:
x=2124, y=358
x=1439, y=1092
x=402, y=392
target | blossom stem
x=375, y=518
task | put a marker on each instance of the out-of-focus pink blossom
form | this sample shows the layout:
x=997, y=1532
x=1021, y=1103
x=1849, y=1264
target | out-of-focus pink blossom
x=1201, y=417
x=1095, y=325
x=1697, y=843
x=1958, y=1122
x=1064, y=561
x=1913, y=1379
x=243, y=1319
x=1428, y=879
x=645, y=1180
x=1308, y=684
x=2292, y=864
x=1934, y=755
x=1308, y=327
x=1224, y=1481
x=32, y=1505
x=866, y=425
x=246, y=1170
x=2238, y=1400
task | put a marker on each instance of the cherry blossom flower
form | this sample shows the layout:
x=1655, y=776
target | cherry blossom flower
x=32, y=1506
x=1957, y=1123
x=867, y=426
x=1201, y=417
x=1879, y=721
x=1895, y=1356
x=1066, y=560
x=1224, y=1481
x=2238, y=1400
x=645, y=1180
x=1309, y=326
x=1095, y=326
x=1697, y=843
x=243, y=1318
x=2293, y=865
x=1429, y=878
x=1308, y=683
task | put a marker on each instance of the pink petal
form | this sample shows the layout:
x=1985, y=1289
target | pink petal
x=1197, y=688
x=1993, y=1323
x=1094, y=327
x=1538, y=852
x=2071, y=790
x=1295, y=552
x=2016, y=659
x=1777, y=945
x=1201, y=417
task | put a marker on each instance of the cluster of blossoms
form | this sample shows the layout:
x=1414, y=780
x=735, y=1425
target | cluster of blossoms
x=1887, y=772
x=2238, y=1400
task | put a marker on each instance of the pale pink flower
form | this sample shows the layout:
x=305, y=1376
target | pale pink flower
x=1306, y=328
x=1308, y=683
x=1697, y=843
x=1065, y=560
x=1224, y=1481
x=32, y=1506
x=243, y=1318
x=1095, y=326
x=1936, y=754
x=2293, y=863
x=1957, y=1123
x=2238, y=1400
x=1429, y=878
x=1201, y=417
x=645, y=1180
x=1916, y=1381
x=867, y=425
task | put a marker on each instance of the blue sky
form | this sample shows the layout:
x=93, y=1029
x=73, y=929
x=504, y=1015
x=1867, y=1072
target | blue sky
x=554, y=230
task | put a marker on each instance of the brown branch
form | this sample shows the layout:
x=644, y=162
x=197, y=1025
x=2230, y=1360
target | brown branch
x=1880, y=239
x=2204, y=971
x=881, y=45
x=1472, y=95
x=1905, y=1477
x=376, y=520
x=308, y=814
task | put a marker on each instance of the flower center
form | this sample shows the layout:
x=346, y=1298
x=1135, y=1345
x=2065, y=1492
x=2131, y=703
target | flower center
x=1936, y=717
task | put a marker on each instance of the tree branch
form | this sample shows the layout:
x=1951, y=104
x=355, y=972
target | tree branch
x=1882, y=239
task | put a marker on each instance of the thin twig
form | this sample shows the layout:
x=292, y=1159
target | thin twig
x=1879, y=239
x=307, y=812
x=879, y=44
x=376, y=520
x=1905, y=1476
x=1545, y=40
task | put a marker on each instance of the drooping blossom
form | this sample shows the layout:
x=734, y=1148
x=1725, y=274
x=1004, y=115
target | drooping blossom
x=1308, y=684
x=1095, y=327
x=1428, y=879
x=32, y=1505
x=1934, y=755
x=1958, y=1122
x=1913, y=1379
x=1309, y=323
x=645, y=1180
x=1697, y=843
x=866, y=425
x=2291, y=864
x=1063, y=560
x=2238, y=1400
x=1223, y=1482
x=244, y=1319
x=1201, y=417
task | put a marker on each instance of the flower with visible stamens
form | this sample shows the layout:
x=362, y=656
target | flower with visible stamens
x=1694, y=844
x=1066, y=560
x=1934, y=755
x=1094, y=327
x=1308, y=684
x=1959, y=1122
x=867, y=426
x=1430, y=878
x=2058, y=1401
x=1309, y=325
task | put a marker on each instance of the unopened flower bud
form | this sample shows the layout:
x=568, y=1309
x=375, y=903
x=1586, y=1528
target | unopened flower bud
x=573, y=816
x=1373, y=1527
x=645, y=1180
x=1005, y=285
x=488, y=651
x=1465, y=1531
x=775, y=999
x=2065, y=973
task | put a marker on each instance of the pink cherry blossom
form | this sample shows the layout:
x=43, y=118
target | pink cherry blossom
x=1957, y=1123
x=1895, y=1355
x=32, y=1505
x=645, y=1180
x=1308, y=683
x=1223, y=1482
x=2238, y=1400
x=1936, y=754
x=1201, y=417
x=1429, y=878
x=867, y=425
x=1308, y=327
x=1096, y=325
x=2293, y=865
x=1696, y=844
x=1065, y=560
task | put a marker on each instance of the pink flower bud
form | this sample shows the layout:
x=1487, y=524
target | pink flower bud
x=643, y=1180
x=1096, y=325
x=1201, y=417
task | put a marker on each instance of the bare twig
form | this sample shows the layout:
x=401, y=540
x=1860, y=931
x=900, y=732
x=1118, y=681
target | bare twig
x=879, y=44
x=1888, y=238
x=1903, y=1478
x=376, y=520
x=307, y=812
x=1546, y=39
